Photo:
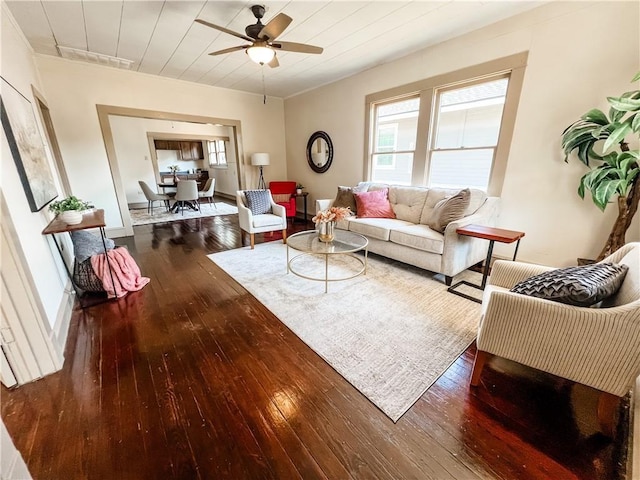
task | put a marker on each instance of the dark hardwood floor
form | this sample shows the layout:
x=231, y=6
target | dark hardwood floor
x=193, y=378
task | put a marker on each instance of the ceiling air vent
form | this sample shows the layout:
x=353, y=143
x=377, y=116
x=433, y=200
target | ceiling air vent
x=91, y=57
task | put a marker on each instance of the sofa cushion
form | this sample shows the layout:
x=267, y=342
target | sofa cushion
x=477, y=198
x=378, y=228
x=374, y=204
x=266, y=220
x=258, y=201
x=281, y=197
x=449, y=210
x=345, y=198
x=581, y=286
x=420, y=237
x=408, y=202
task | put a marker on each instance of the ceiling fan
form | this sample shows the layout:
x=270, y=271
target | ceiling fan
x=262, y=37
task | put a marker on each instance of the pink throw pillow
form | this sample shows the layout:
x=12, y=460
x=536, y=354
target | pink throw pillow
x=374, y=204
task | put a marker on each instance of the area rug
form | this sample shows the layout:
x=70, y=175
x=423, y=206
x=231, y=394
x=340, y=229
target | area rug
x=139, y=216
x=391, y=333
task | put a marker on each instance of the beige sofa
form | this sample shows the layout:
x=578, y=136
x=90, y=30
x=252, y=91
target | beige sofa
x=407, y=237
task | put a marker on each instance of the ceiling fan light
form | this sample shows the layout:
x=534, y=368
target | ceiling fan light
x=260, y=54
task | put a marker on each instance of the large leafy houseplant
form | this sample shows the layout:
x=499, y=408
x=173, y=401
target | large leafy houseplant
x=599, y=142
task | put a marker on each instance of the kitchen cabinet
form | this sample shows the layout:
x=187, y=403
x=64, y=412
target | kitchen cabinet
x=189, y=149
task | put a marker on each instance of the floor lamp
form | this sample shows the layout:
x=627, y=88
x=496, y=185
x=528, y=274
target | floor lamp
x=260, y=160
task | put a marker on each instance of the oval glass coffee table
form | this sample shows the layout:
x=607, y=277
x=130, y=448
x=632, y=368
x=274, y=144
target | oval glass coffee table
x=344, y=243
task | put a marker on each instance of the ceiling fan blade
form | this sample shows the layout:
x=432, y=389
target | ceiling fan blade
x=225, y=30
x=296, y=47
x=274, y=62
x=275, y=26
x=229, y=50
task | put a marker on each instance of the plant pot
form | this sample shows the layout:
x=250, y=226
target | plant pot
x=299, y=191
x=71, y=217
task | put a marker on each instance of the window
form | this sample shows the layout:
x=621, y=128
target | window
x=396, y=124
x=217, y=153
x=466, y=132
x=453, y=130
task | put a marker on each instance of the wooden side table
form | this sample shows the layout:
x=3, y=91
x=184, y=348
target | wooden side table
x=304, y=195
x=90, y=220
x=493, y=235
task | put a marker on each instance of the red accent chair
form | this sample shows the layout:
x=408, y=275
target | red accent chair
x=282, y=193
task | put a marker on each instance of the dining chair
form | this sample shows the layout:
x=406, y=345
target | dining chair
x=208, y=191
x=187, y=195
x=152, y=196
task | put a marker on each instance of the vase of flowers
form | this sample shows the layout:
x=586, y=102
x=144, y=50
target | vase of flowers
x=325, y=221
x=70, y=209
x=173, y=169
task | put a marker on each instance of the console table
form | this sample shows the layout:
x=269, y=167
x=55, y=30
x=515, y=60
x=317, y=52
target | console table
x=90, y=220
x=493, y=235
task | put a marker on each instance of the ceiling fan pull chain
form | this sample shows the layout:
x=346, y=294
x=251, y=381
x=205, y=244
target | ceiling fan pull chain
x=264, y=92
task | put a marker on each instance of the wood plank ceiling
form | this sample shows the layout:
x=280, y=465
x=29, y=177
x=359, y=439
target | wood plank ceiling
x=161, y=38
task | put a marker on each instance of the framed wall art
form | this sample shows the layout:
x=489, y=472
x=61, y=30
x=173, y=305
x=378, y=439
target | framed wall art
x=27, y=147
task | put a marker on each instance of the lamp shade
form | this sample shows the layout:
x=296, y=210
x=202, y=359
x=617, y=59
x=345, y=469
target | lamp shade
x=258, y=159
x=260, y=54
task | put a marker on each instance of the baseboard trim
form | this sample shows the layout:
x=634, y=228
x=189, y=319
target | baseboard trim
x=60, y=330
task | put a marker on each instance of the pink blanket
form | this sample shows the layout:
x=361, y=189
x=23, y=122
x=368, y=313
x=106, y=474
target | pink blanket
x=126, y=274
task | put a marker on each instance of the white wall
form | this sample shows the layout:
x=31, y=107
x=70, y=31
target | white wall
x=75, y=88
x=579, y=53
x=43, y=262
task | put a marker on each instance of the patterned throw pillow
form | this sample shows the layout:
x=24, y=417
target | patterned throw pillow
x=449, y=210
x=374, y=204
x=258, y=201
x=580, y=286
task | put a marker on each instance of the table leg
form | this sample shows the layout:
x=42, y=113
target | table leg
x=106, y=254
x=487, y=265
x=516, y=251
x=305, y=209
x=485, y=274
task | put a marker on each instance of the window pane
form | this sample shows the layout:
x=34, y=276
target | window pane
x=222, y=158
x=461, y=168
x=397, y=125
x=471, y=116
x=395, y=130
x=392, y=168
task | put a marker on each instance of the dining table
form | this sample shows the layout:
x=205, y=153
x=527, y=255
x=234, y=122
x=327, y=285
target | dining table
x=177, y=203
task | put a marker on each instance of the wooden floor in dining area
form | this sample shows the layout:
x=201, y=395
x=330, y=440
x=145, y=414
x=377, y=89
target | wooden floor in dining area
x=193, y=378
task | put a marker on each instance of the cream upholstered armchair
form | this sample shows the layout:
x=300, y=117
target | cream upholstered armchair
x=598, y=347
x=267, y=219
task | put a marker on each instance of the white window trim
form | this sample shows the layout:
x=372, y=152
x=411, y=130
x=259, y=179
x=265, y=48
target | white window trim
x=514, y=65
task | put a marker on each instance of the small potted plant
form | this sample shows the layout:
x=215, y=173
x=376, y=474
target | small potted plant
x=174, y=169
x=299, y=188
x=70, y=209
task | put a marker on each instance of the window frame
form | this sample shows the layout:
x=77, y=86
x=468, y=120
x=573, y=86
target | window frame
x=217, y=163
x=512, y=66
